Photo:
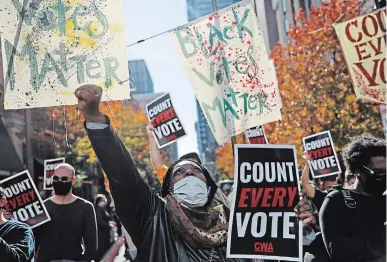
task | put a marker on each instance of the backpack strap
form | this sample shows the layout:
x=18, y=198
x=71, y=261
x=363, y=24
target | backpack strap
x=348, y=199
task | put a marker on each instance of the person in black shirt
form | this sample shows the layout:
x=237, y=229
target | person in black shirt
x=72, y=232
x=353, y=220
x=103, y=225
x=16, y=238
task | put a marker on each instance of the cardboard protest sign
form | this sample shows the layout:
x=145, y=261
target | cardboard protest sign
x=256, y=135
x=363, y=40
x=60, y=46
x=323, y=158
x=262, y=222
x=49, y=167
x=23, y=200
x=164, y=119
x=225, y=57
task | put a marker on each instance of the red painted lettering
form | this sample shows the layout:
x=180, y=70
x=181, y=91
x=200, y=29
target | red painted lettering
x=266, y=197
x=243, y=197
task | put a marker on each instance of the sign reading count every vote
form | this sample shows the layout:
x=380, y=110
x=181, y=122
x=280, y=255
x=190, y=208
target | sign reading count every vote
x=263, y=224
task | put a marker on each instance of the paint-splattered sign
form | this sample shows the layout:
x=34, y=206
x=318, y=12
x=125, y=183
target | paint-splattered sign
x=363, y=40
x=226, y=61
x=53, y=46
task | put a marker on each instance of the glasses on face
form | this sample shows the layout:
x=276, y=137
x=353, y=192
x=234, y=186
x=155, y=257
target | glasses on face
x=63, y=179
x=378, y=172
x=182, y=170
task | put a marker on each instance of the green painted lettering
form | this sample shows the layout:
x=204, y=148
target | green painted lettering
x=92, y=65
x=111, y=65
x=189, y=50
x=239, y=23
x=206, y=53
x=226, y=67
x=210, y=81
x=262, y=97
x=79, y=60
x=250, y=51
x=228, y=107
x=226, y=29
x=252, y=102
x=244, y=96
x=214, y=32
x=61, y=10
x=84, y=11
x=241, y=60
x=216, y=104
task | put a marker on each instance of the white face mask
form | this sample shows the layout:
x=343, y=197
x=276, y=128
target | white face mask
x=191, y=191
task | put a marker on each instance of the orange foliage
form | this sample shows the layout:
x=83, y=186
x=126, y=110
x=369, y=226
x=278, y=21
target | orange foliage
x=315, y=85
x=129, y=124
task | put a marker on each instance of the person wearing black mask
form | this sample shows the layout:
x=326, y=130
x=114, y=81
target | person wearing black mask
x=353, y=220
x=72, y=232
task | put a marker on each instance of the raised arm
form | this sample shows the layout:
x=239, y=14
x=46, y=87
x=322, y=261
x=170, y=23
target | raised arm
x=135, y=202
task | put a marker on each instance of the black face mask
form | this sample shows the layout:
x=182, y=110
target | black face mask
x=62, y=189
x=375, y=186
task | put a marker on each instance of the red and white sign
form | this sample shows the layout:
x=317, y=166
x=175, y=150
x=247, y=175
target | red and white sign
x=363, y=40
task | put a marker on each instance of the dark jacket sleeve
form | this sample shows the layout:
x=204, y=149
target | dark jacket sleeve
x=357, y=248
x=21, y=248
x=90, y=233
x=135, y=202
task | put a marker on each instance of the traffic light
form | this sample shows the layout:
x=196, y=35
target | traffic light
x=380, y=3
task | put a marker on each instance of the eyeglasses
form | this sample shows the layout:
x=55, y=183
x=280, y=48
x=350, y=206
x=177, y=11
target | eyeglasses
x=63, y=179
x=375, y=172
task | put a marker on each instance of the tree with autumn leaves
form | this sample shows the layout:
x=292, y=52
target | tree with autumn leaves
x=59, y=132
x=315, y=85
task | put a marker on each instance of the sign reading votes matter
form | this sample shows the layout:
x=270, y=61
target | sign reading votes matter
x=164, y=119
x=49, y=168
x=23, y=200
x=263, y=222
x=51, y=47
x=323, y=159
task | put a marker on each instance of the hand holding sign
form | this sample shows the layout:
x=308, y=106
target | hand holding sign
x=89, y=97
x=114, y=250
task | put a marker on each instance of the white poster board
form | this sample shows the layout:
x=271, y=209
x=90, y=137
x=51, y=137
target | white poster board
x=56, y=46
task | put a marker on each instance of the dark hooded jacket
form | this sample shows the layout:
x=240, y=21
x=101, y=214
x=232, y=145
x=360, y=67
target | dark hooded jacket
x=142, y=212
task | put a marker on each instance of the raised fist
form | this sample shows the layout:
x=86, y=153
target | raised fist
x=89, y=97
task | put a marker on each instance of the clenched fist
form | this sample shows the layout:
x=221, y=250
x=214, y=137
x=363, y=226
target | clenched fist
x=89, y=97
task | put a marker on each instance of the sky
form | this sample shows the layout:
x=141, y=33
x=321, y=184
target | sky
x=146, y=18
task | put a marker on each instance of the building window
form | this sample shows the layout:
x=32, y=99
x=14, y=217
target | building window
x=284, y=6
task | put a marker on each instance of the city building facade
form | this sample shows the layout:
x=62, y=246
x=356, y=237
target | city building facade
x=140, y=79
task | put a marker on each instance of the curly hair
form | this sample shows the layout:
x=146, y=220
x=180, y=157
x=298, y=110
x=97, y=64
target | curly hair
x=362, y=149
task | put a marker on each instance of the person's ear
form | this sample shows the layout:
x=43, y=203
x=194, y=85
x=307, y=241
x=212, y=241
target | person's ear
x=3, y=202
x=74, y=180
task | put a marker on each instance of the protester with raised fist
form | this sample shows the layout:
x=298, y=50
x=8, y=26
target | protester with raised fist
x=189, y=224
x=353, y=220
x=16, y=238
x=72, y=233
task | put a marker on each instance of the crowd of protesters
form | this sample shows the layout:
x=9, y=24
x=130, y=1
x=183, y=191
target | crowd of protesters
x=344, y=219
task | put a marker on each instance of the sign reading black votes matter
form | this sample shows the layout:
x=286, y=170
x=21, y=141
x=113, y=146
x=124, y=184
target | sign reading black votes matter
x=322, y=154
x=164, y=119
x=23, y=200
x=263, y=224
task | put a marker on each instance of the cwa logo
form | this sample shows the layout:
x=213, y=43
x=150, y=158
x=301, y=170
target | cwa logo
x=265, y=247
